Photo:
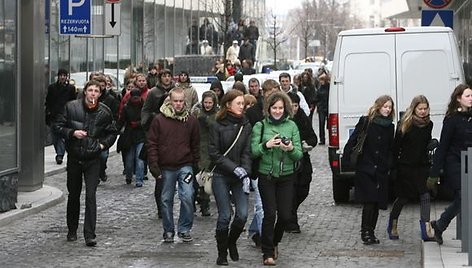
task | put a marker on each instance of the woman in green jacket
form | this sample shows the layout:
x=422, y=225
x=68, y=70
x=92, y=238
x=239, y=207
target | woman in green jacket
x=276, y=144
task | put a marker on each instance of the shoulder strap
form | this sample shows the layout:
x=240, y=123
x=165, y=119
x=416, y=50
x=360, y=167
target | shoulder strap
x=235, y=140
x=232, y=145
x=262, y=129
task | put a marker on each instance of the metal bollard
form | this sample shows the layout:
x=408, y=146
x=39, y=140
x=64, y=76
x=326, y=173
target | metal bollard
x=464, y=223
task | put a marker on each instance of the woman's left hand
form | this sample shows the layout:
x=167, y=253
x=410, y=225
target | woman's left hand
x=286, y=148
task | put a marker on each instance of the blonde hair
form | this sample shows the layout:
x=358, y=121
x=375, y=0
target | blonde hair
x=249, y=100
x=407, y=118
x=379, y=102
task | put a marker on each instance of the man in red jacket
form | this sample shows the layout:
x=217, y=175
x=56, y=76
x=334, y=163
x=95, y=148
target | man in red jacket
x=173, y=151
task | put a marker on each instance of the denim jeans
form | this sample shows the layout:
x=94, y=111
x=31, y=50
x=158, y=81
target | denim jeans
x=322, y=116
x=134, y=164
x=256, y=224
x=222, y=186
x=277, y=197
x=450, y=212
x=185, y=191
x=59, y=143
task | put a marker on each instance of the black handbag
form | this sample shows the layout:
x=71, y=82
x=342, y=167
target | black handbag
x=358, y=148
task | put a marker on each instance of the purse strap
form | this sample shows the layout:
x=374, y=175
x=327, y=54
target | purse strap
x=232, y=145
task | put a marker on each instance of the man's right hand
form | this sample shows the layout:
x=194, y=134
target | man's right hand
x=155, y=171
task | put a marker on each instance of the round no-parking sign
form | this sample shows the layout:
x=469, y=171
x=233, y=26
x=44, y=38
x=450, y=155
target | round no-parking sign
x=437, y=3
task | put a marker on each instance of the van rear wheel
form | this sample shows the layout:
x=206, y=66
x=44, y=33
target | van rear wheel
x=340, y=190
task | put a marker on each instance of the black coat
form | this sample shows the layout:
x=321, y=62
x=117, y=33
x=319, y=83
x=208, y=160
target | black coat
x=305, y=171
x=373, y=165
x=57, y=97
x=222, y=134
x=134, y=132
x=98, y=123
x=322, y=98
x=456, y=136
x=411, y=160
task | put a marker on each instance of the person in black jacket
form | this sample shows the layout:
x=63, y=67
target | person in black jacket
x=373, y=166
x=456, y=136
x=88, y=127
x=301, y=183
x=410, y=155
x=231, y=173
x=321, y=99
x=308, y=89
x=57, y=96
x=132, y=139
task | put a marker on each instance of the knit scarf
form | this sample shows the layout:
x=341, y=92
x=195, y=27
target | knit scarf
x=420, y=121
x=168, y=111
x=382, y=120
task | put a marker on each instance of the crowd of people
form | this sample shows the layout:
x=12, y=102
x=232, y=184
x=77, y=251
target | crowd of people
x=254, y=139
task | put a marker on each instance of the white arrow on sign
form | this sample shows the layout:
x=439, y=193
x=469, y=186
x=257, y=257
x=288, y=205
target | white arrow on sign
x=112, y=19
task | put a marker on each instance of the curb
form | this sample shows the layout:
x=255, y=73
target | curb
x=52, y=197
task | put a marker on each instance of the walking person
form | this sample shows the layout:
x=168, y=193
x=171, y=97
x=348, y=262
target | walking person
x=229, y=151
x=151, y=107
x=410, y=154
x=277, y=155
x=59, y=93
x=89, y=128
x=304, y=171
x=205, y=112
x=173, y=150
x=373, y=166
x=132, y=139
x=322, y=98
x=455, y=137
x=255, y=114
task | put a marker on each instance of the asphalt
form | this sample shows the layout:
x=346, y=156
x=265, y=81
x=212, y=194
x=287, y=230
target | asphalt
x=433, y=255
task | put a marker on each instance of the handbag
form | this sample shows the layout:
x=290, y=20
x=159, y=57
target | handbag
x=206, y=177
x=358, y=147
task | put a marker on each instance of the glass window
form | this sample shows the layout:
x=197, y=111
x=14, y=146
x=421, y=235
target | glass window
x=8, y=96
x=149, y=34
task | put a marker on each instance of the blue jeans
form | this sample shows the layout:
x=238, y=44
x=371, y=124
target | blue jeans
x=450, y=212
x=59, y=143
x=256, y=224
x=185, y=191
x=222, y=186
x=134, y=164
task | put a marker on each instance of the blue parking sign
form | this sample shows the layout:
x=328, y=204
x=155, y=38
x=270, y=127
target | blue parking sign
x=75, y=16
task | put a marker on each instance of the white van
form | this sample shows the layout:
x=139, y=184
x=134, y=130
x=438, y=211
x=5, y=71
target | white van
x=400, y=62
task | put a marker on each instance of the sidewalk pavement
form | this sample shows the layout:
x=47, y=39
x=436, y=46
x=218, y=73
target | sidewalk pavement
x=29, y=203
x=447, y=255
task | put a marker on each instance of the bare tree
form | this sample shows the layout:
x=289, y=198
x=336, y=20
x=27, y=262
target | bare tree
x=276, y=36
x=321, y=20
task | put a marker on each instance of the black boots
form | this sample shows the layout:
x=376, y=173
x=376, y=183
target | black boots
x=222, y=245
x=370, y=214
x=437, y=232
x=233, y=237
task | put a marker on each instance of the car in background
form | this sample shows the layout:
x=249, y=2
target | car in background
x=313, y=65
x=203, y=83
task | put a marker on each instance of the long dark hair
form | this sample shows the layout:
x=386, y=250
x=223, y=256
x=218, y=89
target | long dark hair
x=453, y=106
